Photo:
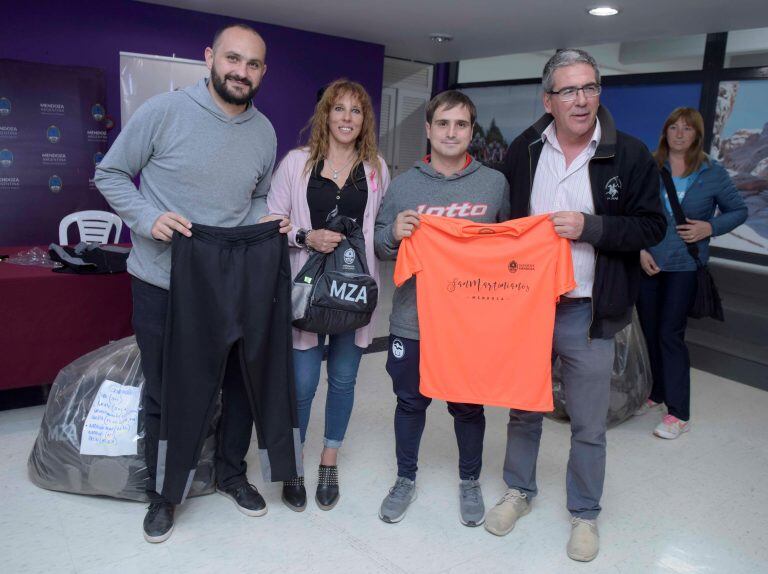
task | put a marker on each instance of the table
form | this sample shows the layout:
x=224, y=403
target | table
x=49, y=319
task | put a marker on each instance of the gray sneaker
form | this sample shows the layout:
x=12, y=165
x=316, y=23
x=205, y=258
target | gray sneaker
x=501, y=518
x=395, y=504
x=471, y=503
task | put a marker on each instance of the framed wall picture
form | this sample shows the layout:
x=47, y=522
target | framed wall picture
x=740, y=144
x=503, y=112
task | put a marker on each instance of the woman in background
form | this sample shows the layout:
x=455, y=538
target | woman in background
x=668, y=287
x=338, y=172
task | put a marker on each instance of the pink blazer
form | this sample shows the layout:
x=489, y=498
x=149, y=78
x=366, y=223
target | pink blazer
x=288, y=196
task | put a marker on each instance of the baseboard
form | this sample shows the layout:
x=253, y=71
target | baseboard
x=729, y=366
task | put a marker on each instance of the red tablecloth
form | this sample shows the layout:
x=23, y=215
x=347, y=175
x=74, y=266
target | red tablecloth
x=49, y=319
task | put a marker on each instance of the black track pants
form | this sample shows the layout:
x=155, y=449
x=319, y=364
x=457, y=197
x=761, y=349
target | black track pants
x=150, y=306
x=230, y=288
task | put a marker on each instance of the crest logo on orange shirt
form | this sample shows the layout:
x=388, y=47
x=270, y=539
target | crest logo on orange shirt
x=514, y=266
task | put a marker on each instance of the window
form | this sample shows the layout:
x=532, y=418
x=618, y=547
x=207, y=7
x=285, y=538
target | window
x=747, y=48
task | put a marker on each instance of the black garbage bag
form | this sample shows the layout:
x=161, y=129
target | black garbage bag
x=631, y=380
x=95, y=384
x=334, y=292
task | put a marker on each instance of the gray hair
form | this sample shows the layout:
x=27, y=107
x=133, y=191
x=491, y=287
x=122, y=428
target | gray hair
x=563, y=58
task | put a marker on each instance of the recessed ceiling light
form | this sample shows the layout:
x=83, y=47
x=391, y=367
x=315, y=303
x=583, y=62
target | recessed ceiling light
x=440, y=38
x=603, y=11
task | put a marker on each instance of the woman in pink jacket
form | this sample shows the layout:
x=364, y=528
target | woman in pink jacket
x=339, y=171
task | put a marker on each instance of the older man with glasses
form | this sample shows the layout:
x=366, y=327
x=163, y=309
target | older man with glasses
x=601, y=189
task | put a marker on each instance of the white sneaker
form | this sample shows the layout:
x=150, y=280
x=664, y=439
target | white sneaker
x=584, y=543
x=671, y=427
x=647, y=407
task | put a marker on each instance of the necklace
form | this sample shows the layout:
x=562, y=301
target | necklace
x=335, y=172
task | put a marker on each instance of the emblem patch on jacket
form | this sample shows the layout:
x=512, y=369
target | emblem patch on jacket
x=612, y=189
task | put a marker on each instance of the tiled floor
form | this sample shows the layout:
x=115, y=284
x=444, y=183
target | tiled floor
x=694, y=505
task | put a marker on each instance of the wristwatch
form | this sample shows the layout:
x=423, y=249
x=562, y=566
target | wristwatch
x=301, y=237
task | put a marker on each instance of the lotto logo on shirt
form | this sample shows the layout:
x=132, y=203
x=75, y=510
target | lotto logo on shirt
x=465, y=209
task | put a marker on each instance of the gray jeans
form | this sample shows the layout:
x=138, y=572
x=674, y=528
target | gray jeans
x=586, y=375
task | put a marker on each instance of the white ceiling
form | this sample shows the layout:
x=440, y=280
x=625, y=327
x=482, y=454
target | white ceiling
x=490, y=27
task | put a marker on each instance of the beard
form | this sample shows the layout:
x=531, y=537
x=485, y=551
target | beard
x=220, y=85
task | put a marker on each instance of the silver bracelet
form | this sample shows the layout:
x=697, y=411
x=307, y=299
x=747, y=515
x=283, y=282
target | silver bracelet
x=306, y=244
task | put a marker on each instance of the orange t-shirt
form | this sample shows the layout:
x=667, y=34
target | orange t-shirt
x=486, y=296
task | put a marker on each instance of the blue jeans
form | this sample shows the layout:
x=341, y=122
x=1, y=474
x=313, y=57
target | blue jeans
x=586, y=374
x=343, y=362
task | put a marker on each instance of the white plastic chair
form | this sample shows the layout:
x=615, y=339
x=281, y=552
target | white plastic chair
x=94, y=226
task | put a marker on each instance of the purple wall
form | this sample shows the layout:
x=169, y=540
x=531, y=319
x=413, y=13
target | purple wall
x=92, y=33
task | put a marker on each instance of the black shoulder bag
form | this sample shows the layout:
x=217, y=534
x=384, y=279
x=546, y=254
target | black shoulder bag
x=334, y=292
x=707, y=301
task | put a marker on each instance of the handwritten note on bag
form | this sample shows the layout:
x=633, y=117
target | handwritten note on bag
x=111, y=425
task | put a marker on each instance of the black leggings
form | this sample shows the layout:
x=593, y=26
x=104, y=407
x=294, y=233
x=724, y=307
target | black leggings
x=230, y=289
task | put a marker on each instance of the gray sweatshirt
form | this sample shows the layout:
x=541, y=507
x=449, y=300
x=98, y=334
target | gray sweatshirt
x=476, y=193
x=194, y=160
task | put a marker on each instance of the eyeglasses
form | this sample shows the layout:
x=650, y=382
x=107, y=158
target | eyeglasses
x=569, y=94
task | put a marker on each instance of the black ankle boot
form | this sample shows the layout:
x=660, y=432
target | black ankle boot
x=294, y=494
x=327, y=487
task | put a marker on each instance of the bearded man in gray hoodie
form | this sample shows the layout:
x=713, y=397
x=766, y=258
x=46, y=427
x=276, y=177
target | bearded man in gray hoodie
x=205, y=154
x=448, y=182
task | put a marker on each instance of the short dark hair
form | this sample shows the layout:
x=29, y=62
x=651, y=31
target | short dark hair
x=451, y=99
x=240, y=25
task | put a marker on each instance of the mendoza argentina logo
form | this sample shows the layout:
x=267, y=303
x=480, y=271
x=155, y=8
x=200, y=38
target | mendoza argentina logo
x=6, y=158
x=55, y=184
x=5, y=107
x=53, y=134
x=53, y=158
x=51, y=109
x=96, y=135
x=98, y=112
x=10, y=183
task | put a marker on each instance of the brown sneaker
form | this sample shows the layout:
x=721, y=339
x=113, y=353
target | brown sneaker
x=584, y=543
x=501, y=519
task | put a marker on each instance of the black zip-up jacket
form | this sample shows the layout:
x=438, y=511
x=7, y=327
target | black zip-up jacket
x=628, y=215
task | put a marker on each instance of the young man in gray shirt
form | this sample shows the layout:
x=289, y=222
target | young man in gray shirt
x=206, y=154
x=451, y=183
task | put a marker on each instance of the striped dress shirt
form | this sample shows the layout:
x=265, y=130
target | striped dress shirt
x=557, y=188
